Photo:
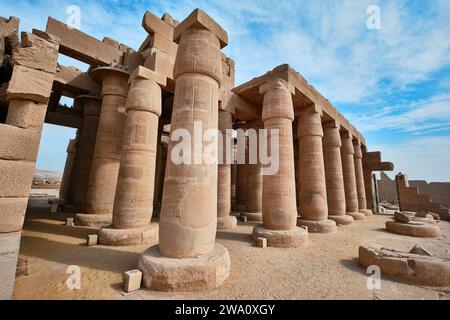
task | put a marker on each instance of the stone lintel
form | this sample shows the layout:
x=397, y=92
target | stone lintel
x=333, y=123
x=46, y=36
x=76, y=80
x=144, y=73
x=200, y=19
x=152, y=24
x=66, y=118
x=347, y=134
x=81, y=46
x=311, y=108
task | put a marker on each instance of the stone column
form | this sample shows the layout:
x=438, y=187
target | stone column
x=187, y=258
x=313, y=191
x=68, y=168
x=224, y=220
x=254, y=191
x=279, y=207
x=108, y=147
x=241, y=183
x=348, y=169
x=333, y=174
x=359, y=175
x=86, y=144
x=133, y=205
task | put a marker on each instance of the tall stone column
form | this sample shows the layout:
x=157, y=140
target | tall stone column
x=241, y=183
x=133, y=205
x=279, y=207
x=188, y=259
x=68, y=168
x=86, y=144
x=108, y=148
x=313, y=191
x=333, y=174
x=348, y=169
x=359, y=175
x=224, y=220
x=254, y=190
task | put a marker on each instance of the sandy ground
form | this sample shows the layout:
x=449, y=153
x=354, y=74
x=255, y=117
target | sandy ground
x=326, y=269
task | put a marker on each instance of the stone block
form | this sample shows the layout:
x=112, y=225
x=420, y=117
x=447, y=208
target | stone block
x=36, y=53
x=132, y=280
x=199, y=19
x=69, y=222
x=54, y=208
x=152, y=24
x=12, y=214
x=144, y=73
x=261, y=242
x=30, y=84
x=9, y=252
x=18, y=144
x=160, y=62
x=26, y=114
x=16, y=177
x=92, y=240
x=163, y=44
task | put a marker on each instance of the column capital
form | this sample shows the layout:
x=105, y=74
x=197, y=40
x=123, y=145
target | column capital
x=277, y=100
x=347, y=144
x=91, y=104
x=357, y=149
x=309, y=122
x=114, y=80
x=276, y=83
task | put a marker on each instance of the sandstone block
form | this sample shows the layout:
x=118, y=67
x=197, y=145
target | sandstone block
x=12, y=213
x=160, y=62
x=9, y=252
x=418, y=249
x=16, y=178
x=152, y=24
x=18, y=144
x=164, y=44
x=69, y=222
x=54, y=208
x=296, y=237
x=132, y=280
x=129, y=237
x=261, y=242
x=92, y=240
x=26, y=114
x=93, y=220
x=36, y=53
x=30, y=84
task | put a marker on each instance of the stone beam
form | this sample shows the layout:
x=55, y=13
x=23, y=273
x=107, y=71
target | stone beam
x=152, y=24
x=80, y=46
x=65, y=117
x=76, y=82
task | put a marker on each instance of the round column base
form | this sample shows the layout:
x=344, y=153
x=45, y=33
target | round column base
x=205, y=272
x=421, y=229
x=93, y=220
x=356, y=215
x=129, y=237
x=253, y=216
x=294, y=238
x=322, y=226
x=366, y=212
x=342, y=220
x=226, y=223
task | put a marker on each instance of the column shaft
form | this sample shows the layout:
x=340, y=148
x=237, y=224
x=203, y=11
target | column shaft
x=359, y=175
x=68, y=169
x=348, y=169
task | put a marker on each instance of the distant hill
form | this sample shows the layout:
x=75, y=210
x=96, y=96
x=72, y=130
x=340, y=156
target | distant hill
x=47, y=175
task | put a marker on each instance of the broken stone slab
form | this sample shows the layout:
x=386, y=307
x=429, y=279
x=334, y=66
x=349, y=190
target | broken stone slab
x=22, y=267
x=36, y=53
x=132, y=280
x=9, y=31
x=30, y=84
x=402, y=217
x=417, y=268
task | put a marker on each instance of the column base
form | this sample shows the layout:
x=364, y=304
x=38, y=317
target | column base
x=366, y=212
x=129, y=237
x=421, y=229
x=356, y=215
x=294, y=238
x=253, y=216
x=205, y=272
x=342, y=220
x=93, y=220
x=226, y=223
x=322, y=226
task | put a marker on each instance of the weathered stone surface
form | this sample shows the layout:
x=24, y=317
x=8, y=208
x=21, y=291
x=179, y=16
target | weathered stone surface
x=226, y=223
x=419, y=269
x=77, y=81
x=163, y=44
x=293, y=238
x=30, y=84
x=26, y=114
x=36, y=53
x=253, y=216
x=423, y=228
x=9, y=252
x=321, y=226
x=152, y=24
x=92, y=240
x=93, y=220
x=80, y=46
x=12, y=213
x=18, y=144
x=160, y=62
x=130, y=236
x=261, y=242
x=418, y=249
x=16, y=178
x=204, y=272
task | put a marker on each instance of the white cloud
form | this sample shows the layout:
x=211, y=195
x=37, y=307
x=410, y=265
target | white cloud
x=421, y=158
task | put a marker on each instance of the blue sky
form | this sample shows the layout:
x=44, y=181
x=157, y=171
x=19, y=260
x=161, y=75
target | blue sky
x=392, y=83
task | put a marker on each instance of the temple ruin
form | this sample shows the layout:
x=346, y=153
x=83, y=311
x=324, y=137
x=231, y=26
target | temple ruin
x=119, y=175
